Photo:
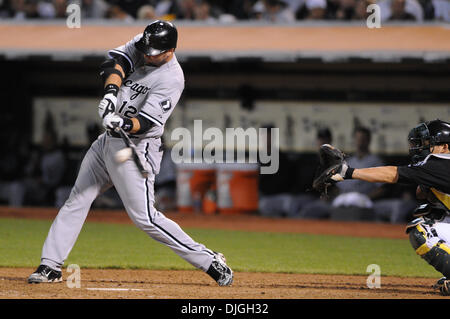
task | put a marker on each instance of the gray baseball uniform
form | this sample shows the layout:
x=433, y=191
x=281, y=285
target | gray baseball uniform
x=153, y=93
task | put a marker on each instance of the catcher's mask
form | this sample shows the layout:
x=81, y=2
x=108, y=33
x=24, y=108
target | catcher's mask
x=425, y=136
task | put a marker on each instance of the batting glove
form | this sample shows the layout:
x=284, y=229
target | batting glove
x=111, y=121
x=107, y=105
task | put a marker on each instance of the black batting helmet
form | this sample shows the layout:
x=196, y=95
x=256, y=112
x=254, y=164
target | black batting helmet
x=158, y=36
x=426, y=135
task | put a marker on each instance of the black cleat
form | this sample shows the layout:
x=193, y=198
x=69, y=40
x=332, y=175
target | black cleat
x=220, y=271
x=45, y=274
x=439, y=283
x=445, y=288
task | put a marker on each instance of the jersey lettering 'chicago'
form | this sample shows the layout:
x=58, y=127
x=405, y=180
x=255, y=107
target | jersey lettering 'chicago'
x=135, y=87
x=149, y=91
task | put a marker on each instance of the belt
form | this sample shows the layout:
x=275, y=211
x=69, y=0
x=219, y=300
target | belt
x=117, y=135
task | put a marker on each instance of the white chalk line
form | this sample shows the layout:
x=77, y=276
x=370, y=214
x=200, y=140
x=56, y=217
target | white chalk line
x=117, y=289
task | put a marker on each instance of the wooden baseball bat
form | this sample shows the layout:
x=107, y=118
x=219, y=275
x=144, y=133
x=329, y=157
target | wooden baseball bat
x=131, y=145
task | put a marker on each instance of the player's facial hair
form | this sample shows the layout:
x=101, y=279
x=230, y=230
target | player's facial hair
x=161, y=62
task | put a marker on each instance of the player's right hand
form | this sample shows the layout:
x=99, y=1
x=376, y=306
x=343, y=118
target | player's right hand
x=111, y=121
x=107, y=105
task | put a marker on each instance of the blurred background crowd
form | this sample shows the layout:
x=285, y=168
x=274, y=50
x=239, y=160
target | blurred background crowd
x=226, y=11
x=43, y=175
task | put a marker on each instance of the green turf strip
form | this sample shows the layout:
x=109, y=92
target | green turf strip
x=125, y=246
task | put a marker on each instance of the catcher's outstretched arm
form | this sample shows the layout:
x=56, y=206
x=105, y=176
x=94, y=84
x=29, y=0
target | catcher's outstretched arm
x=381, y=174
x=334, y=168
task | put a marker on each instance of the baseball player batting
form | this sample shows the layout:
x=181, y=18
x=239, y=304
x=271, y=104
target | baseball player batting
x=429, y=233
x=143, y=82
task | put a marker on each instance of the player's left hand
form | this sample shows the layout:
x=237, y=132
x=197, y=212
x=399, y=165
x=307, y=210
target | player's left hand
x=107, y=105
x=333, y=168
x=111, y=121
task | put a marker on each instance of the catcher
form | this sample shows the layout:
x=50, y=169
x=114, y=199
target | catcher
x=429, y=233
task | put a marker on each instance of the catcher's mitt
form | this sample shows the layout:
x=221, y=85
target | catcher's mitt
x=332, y=166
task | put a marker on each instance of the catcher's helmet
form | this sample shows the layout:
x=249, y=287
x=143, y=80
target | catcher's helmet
x=426, y=135
x=158, y=36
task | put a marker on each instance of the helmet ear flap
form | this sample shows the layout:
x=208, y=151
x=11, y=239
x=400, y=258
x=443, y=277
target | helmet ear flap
x=439, y=132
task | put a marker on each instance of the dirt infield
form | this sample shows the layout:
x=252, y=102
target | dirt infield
x=152, y=284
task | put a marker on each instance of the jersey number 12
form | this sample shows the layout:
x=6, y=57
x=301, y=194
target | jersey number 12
x=130, y=112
